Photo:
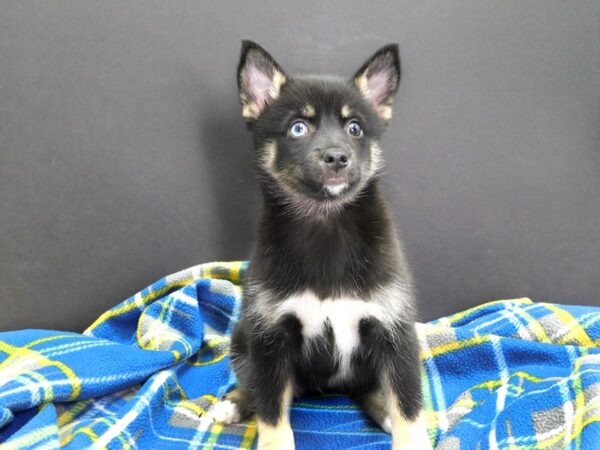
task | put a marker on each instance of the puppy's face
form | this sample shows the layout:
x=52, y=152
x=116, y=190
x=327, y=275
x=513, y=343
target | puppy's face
x=317, y=137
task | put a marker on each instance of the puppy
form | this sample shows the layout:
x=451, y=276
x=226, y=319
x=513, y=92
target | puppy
x=328, y=297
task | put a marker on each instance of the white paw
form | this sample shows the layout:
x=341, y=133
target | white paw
x=417, y=440
x=386, y=425
x=226, y=411
x=284, y=441
x=279, y=437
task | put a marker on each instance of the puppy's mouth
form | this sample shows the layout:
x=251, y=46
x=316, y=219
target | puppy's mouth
x=335, y=183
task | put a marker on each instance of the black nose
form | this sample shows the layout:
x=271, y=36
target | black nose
x=336, y=159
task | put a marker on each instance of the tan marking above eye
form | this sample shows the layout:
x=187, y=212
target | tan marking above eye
x=308, y=111
x=346, y=112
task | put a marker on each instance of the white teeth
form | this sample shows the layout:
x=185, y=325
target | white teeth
x=336, y=189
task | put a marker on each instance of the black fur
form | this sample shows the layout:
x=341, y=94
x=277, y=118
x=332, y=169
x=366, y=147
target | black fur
x=312, y=237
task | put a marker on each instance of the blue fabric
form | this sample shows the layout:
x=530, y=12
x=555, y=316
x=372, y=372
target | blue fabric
x=509, y=374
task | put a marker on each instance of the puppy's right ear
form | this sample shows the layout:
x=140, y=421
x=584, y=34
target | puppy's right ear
x=259, y=80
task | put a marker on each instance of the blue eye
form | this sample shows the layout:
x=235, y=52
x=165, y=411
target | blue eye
x=298, y=129
x=354, y=129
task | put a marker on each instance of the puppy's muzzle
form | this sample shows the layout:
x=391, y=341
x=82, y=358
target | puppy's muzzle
x=336, y=159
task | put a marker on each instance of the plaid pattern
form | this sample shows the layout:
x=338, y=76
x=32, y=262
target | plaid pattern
x=505, y=375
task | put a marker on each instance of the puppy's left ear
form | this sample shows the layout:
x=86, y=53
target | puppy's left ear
x=378, y=79
x=259, y=80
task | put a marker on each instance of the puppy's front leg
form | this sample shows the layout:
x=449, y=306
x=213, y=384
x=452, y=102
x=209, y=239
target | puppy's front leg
x=408, y=432
x=275, y=433
x=401, y=385
x=272, y=383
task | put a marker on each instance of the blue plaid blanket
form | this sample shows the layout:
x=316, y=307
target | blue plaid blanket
x=505, y=375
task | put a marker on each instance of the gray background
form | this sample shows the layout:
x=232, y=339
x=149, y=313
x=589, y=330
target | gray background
x=123, y=156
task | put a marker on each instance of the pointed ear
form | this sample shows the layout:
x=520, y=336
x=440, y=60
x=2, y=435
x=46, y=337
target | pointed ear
x=378, y=79
x=259, y=80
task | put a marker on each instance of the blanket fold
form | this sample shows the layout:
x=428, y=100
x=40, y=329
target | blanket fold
x=510, y=374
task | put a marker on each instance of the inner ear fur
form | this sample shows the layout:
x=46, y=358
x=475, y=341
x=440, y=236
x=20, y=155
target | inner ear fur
x=260, y=80
x=378, y=79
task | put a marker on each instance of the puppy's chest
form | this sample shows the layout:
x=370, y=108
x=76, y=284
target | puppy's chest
x=337, y=319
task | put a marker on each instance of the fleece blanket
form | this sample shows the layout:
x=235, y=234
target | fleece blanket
x=508, y=374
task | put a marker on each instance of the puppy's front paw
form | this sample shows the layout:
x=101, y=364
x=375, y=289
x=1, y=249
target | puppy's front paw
x=226, y=412
x=285, y=444
x=275, y=438
x=410, y=435
x=417, y=443
x=412, y=445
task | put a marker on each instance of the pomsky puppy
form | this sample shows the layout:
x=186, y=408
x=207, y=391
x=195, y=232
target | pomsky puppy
x=328, y=298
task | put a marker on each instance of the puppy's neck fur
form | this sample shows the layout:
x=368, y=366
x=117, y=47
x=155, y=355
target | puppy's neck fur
x=346, y=252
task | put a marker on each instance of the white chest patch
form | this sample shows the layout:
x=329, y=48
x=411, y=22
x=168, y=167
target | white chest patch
x=343, y=314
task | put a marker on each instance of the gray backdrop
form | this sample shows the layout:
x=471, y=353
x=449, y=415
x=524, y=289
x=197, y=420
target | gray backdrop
x=123, y=156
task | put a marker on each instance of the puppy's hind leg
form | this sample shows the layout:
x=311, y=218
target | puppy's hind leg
x=235, y=407
x=239, y=403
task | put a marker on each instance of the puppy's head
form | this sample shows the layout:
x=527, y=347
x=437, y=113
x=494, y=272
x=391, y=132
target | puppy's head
x=317, y=137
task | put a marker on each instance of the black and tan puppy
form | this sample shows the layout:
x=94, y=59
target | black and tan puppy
x=328, y=300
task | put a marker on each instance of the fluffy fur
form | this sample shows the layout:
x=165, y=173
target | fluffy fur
x=328, y=296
